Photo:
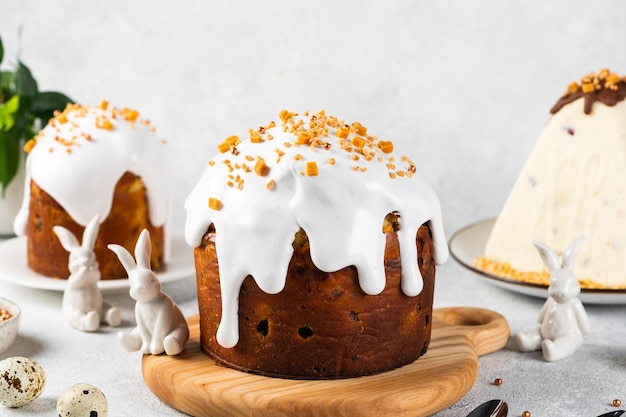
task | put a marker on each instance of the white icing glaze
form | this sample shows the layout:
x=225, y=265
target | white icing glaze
x=341, y=209
x=78, y=163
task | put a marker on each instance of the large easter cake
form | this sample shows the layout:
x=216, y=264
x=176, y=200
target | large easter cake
x=315, y=251
x=88, y=161
x=571, y=185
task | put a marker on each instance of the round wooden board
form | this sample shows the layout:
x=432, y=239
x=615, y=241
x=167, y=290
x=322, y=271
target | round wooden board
x=192, y=383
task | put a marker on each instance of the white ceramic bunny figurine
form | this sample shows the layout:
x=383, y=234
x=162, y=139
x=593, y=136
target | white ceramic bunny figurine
x=83, y=306
x=563, y=320
x=161, y=326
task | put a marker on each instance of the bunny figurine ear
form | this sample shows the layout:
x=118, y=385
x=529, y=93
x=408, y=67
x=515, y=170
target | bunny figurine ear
x=91, y=232
x=550, y=259
x=143, y=249
x=570, y=253
x=67, y=238
x=126, y=259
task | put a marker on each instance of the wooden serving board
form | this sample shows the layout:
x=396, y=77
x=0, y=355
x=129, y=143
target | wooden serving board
x=192, y=383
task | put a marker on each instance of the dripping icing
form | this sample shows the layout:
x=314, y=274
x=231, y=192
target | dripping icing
x=340, y=205
x=82, y=153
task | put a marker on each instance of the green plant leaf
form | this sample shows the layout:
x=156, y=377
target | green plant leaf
x=7, y=110
x=23, y=116
x=7, y=79
x=1, y=51
x=45, y=103
x=26, y=84
x=9, y=157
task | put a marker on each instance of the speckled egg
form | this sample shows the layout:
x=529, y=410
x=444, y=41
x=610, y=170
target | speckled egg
x=21, y=381
x=82, y=400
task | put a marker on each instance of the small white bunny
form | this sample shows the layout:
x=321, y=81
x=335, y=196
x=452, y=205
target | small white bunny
x=563, y=320
x=83, y=306
x=161, y=326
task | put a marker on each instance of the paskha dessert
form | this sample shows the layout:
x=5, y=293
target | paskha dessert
x=571, y=185
x=93, y=160
x=315, y=251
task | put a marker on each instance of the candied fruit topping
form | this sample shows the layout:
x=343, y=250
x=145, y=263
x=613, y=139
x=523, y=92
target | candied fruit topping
x=311, y=169
x=260, y=167
x=385, y=146
x=606, y=87
x=67, y=120
x=214, y=203
x=319, y=133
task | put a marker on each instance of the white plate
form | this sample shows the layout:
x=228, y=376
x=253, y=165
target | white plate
x=469, y=243
x=14, y=268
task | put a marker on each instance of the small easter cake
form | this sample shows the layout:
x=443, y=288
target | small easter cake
x=572, y=185
x=315, y=251
x=88, y=161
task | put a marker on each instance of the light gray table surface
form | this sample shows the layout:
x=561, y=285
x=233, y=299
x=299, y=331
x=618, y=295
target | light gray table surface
x=584, y=384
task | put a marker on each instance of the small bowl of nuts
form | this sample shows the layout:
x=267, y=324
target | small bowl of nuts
x=9, y=323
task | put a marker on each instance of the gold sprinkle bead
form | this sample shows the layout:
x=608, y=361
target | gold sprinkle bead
x=617, y=402
x=525, y=413
x=497, y=381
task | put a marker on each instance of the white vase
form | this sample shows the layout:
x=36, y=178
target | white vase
x=11, y=202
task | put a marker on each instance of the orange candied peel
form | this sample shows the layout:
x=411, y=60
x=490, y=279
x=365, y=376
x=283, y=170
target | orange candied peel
x=260, y=167
x=588, y=88
x=359, y=129
x=214, y=203
x=311, y=169
x=255, y=136
x=228, y=144
x=318, y=132
x=386, y=146
x=303, y=138
x=65, y=124
x=286, y=115
x=342, y=132
x=130, y=115
x=103, y=123
x=28, y=146
x=604, y=79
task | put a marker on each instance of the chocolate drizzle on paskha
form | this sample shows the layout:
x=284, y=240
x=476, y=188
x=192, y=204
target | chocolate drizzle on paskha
x=605, y=86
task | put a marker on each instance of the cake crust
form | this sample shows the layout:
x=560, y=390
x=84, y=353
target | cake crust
x=127, y=218
x=321, y=325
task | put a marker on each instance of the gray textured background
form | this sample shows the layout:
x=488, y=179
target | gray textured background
x=462, y=86
x=465, y=85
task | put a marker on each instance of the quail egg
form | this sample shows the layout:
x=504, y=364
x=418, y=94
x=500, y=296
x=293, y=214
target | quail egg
x=82, y=400
x=21, y=381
